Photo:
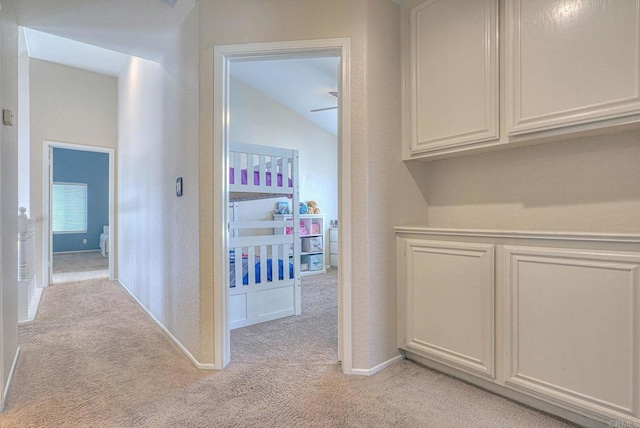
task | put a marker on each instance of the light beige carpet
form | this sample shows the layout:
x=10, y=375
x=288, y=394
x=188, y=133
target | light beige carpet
x=310, y=338
x=92, y=358
x=79, y=267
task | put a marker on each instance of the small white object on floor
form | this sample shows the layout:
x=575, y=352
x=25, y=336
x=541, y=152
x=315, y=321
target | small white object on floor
x=104, y=241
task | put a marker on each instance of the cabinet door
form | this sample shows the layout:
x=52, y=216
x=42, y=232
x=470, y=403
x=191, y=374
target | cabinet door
x=447, y=303
x=572, y=331
x=451, y=75
x=571, y=62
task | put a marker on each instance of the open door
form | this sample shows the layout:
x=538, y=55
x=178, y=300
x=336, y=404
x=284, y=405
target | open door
x=92, y=229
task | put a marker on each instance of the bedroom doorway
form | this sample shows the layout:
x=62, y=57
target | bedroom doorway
x=240, y=88
x=78, y=205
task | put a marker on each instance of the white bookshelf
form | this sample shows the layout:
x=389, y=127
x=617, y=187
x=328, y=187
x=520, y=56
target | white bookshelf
x=333, y=247
x=312, y=256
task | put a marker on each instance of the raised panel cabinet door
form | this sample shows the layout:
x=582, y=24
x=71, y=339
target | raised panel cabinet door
x=449, y=294
x=451, y=75
x=571, y=62
x=572, y=329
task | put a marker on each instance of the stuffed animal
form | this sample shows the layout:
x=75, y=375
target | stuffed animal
x=303, y=229
x=312, y=207
x=303, y=208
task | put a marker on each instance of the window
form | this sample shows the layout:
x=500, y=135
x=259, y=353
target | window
x=69, y=208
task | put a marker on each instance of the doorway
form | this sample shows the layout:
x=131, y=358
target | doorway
x=78, y=205
x=286, y=104
x=225, y=56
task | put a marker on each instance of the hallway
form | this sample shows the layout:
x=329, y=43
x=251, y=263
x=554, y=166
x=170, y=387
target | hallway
x=93, y=358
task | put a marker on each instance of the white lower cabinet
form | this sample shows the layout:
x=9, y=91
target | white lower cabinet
x=450, y=304
x=571, y=328
x=561, y=315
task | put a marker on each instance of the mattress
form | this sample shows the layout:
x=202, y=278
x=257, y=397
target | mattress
x=245, y=271
x=256, y=178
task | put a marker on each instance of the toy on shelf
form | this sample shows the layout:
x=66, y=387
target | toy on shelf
x=282, y=208
x=303, y=229
x=312, y=207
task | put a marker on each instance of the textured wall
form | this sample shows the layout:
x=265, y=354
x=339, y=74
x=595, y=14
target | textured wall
x=8, y=194
x=72, y=106
x=584, y=185
x=383, y=190
x=24, y=139
x=392, y=195
x=257, y=119
x=78, y=166
x=158, y=232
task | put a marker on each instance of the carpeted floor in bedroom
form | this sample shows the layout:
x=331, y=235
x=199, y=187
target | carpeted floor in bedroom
x=68, y=267
x=93, y=358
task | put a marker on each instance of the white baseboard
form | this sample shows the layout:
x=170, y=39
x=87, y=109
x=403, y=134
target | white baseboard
x=13, y=369
x=379, y=367
x=78, y=251
x=167, y=332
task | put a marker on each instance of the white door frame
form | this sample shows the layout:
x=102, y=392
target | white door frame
x=223, y=57
x=3, y=390
x=47, y=182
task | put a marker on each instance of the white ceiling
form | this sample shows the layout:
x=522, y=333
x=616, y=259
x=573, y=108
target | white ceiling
x=89, y=31
x=299, y=84
x=135, y=27
x=69, y=52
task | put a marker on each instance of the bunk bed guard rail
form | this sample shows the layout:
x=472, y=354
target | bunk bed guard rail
x=264, y=268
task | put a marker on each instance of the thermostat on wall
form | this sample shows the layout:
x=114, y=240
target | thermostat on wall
x=7, y=117
x=179, y=187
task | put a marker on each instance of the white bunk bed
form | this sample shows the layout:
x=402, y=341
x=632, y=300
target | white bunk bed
x=261, y=172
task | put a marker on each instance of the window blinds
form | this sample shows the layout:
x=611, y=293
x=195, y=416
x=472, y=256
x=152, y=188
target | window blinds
x=69, y=206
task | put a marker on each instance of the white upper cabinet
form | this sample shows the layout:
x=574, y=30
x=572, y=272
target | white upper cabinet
x=567, y=68
x=450, y=67
x=571, y=62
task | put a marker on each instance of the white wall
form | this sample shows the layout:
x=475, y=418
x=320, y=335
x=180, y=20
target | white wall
x=258, y=119
x=24, y=138
x=394, y=191
x=8, y=196
x=384, y=192
x=72, y=106
x=158, y=142
x=583, y=185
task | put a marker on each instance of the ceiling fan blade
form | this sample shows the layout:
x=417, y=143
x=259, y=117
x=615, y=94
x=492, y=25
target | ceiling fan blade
x=323, y=109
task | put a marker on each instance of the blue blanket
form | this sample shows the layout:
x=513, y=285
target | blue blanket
x=245, y=271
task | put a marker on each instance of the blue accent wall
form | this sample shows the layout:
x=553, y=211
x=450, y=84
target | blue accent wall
x=78, y=166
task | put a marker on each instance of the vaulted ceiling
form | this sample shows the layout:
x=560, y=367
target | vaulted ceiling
x=136, y=27
x=89, y=34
